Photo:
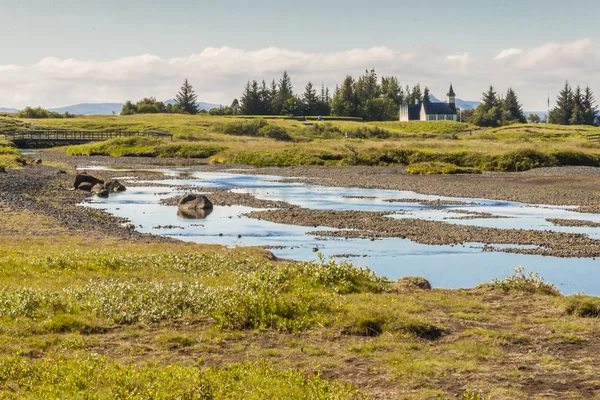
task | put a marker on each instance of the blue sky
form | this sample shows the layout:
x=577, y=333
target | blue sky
x=109, y=30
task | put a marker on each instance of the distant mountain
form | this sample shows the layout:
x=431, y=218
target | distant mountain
x=108, y=108
x=8, y=110
x=91, y=109
x=201, y=105
x=462, y=104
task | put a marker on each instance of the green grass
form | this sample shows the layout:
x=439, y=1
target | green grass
x=99, y=378
x=105, y=318
x=287, y=142
x=147, y=147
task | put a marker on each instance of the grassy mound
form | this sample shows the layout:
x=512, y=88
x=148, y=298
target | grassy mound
x=145, y=147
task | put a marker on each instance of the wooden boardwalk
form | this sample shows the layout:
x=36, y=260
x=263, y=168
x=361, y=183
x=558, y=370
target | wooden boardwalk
x=73, y=137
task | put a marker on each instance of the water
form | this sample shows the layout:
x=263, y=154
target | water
x=444, y=266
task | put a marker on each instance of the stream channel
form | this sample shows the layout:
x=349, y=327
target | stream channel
x=444, y=266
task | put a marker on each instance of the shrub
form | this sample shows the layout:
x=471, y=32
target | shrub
x=524, y=282
x=430, y=168
x=39, y=113
x=245, y=127
x=275, y=132
x=583, y=306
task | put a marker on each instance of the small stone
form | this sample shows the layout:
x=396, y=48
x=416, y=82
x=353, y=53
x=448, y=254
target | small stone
x=2, y=170
x=315, y=249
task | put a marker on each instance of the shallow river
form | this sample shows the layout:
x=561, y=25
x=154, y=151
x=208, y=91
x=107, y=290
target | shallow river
x=444, y=266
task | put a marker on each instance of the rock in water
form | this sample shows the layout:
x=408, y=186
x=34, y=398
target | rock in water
x=85, y=178
x=85, y=186
x=194, y=202
x=113, y=185
x=193, y=214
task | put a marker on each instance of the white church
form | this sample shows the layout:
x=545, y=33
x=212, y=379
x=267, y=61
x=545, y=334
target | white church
x=430, y=111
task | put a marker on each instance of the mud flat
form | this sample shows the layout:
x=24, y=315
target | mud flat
x=365, y=224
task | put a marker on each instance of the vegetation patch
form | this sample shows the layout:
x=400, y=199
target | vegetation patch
x=100, y=377
x=524, y=282
x=430, y=168
x=145, y=147
x=583, y=306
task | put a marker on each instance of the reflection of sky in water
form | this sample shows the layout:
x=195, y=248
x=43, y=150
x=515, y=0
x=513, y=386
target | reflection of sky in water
x=445, y=266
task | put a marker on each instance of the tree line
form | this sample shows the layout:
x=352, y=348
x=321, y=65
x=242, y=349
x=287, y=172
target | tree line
x=367, y=97
x=574, y=107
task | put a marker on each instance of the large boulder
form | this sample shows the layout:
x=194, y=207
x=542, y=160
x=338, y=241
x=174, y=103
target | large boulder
x=194, y=202
x=412, y=282
x=85, y=186
x=113, y=185
x=83, y=177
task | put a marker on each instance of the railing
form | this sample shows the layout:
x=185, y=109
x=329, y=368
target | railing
x=593, y=137
x=75, y=136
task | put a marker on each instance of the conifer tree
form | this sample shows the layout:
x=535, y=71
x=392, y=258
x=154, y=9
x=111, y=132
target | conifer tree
x=265, y=99
x=563, y=112
x=490, y=99
x=344, y=100
x=590, y=112
x=512, y=107
x=426, y=96
x=186, y=99
x=285, y=94
x=310, y=100
x=577, y=113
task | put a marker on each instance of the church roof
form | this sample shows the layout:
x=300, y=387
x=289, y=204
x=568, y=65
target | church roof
x=451, y=92
x=440, y=108
x=414, y=112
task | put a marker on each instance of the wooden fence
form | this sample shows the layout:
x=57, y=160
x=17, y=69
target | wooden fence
x=58, y=136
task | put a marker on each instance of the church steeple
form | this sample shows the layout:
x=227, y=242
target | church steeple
x=451, y=95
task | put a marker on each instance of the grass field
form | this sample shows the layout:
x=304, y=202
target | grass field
x=288, y=142
x=177, y=320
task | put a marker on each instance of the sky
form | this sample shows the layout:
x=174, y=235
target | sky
x=62, y=52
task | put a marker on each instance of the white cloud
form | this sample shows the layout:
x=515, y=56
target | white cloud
x=509, y=53
x=219, y=74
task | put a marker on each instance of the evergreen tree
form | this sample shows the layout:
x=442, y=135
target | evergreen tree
x=285, y=94
x=186, y=99
x=310, y=101
x=426, y=96
x=489, y=112
x=490, y=99
x=577, y=112
x=251, y=104
x=563, y=112
x=416, y=96
x=513, y=108
x=391, y=89
x=235, y=107
x=344, y=100
x=265, y=99
x=274, y=90
x=590, y=112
